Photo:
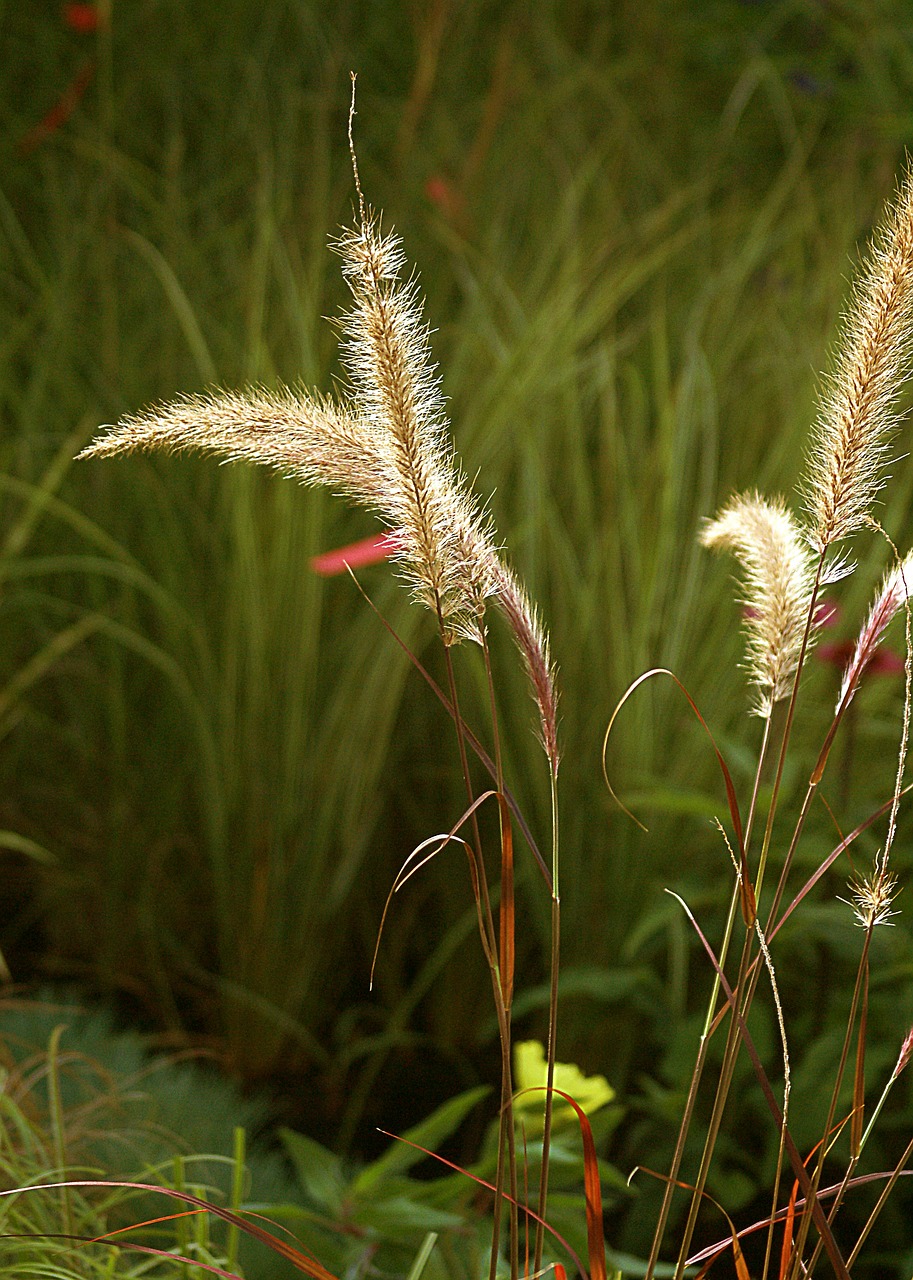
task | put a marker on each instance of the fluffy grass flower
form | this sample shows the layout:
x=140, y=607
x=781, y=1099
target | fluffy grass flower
x=849, y=446
x=778, y=581
x=386, y=446
x=872, y=899
x=895, y=591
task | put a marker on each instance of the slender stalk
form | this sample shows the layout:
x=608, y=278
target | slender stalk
x=506, y=1129
x=490, y=947
x=778, y=1174
x=805, y=1221
x=707, y=1031
x=733, y=1040
x=787, y=730
x=730, y=1055
x=552, y=1027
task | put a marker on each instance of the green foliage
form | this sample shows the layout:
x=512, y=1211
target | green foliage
x=379, y=1214
x=80, y=1102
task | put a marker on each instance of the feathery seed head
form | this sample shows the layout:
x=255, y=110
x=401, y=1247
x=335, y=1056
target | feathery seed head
x=308, y=438
x=905, y=1055
x=387, y=357
x=778, y=580
x=386, y=446
x=849, y=447
x=872, y=898
x=532, y=641
x=893, y=595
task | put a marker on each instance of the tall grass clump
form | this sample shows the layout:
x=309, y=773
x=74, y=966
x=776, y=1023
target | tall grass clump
x=383, y=443
x=94, y=1181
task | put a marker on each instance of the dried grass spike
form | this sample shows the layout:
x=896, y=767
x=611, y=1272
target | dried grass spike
x=779, y=578
x=532, y=642
x=387, y=357
x=895, y=591
x=308, y=438
x=849, y=446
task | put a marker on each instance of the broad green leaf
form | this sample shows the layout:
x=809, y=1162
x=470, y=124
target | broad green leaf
x=400, y=1217
x=319, y=1171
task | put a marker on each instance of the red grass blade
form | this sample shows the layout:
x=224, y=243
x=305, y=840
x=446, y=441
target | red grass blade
x=789, y=1223
x=530, y=1213
x=61, y=111
x=825, y=1193
x=149, y=1222
x=83, y=18
x=595, y=1230
x=309, y=1266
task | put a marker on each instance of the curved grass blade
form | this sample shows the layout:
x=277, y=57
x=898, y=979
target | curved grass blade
x=439, y=842
x=478, y=749
x=749, y=907
x=307, y=1265
x=489, y=1186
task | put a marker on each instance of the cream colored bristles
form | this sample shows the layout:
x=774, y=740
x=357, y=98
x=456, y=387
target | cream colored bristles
x=778, y=580
x=387, y=359
x=532, y=642
x=858, y=414
x=307, y=438
x=895, y=591
x=386, y=446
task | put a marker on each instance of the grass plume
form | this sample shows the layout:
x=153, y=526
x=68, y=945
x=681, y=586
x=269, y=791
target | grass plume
x=893, y=595
x=849, y=446
x=779, y=577
x=385, y=447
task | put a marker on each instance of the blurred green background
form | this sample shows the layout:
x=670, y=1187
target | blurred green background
x=634, y=224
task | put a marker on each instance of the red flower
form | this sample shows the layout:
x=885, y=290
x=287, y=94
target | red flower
x=883, y=661
x=81, y=17
x=380, y=546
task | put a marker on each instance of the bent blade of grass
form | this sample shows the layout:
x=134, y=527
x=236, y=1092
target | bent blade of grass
x=40, y=664
x=470, y=737
x=440, y=842
x=421, y=1258
x=180, y=303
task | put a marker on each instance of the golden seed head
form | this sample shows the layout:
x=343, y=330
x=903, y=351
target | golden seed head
x=386, y=446
x=872, y=898
x=778, y=576
x=849, y=448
